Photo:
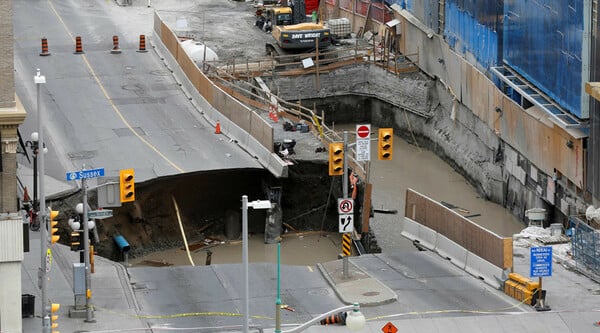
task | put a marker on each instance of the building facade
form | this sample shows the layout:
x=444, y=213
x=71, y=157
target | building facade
x=11, y=223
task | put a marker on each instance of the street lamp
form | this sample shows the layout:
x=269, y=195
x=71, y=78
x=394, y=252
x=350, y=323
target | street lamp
x=33, y=144
x=257, y=204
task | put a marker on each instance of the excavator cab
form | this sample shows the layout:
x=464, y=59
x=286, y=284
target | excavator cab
x=279, y=16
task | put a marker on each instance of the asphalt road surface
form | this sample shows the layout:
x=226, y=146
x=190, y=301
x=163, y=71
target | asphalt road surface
x=104, y=110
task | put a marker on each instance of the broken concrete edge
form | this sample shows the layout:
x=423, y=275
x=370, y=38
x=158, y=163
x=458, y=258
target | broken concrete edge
x=344, y=298
x=270, y=161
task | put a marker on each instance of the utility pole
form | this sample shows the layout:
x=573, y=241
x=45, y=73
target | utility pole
x=345, y=196
x=39, y=79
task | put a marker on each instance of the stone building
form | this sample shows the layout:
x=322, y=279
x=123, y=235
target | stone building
x=12, y=115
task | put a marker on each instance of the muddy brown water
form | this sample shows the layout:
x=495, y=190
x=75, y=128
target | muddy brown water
x=411, y=167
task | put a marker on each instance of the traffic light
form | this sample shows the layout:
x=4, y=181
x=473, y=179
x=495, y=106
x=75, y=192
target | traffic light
x=54, y=237
x=76, y=244
x=127, y=185
x=336, y=159
x=386, y=143
x=53, y=324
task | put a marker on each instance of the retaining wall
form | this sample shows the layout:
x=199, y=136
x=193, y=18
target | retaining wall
x=239, y=122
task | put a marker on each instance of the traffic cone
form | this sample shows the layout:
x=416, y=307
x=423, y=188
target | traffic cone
x=115, y=49
x=275, y=117
x=338, y=318
x=78, y=45
x=45, y=47
x=142, y=44
x=218, y=128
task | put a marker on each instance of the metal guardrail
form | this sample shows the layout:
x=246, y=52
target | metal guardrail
x=230, y=75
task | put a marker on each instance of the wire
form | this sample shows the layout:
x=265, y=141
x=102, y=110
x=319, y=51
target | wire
x=187, y=248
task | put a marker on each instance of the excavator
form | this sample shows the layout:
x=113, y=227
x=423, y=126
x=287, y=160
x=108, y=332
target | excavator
x=291, y=37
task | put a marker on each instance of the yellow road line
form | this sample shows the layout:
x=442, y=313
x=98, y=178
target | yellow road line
x=110, y=100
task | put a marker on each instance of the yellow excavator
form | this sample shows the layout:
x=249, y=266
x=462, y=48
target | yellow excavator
x=290, y=37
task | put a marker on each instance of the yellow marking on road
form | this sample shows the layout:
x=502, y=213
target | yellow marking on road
x=309, y=269
x=110, y=100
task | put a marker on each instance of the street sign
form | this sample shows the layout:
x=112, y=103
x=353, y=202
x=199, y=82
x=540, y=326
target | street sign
x=541, y=261
x=83, y=174
x=363, y=143
x=345, y=206
x=100, y=214
x=346, y=223
x=389, y=328
x=363, y=131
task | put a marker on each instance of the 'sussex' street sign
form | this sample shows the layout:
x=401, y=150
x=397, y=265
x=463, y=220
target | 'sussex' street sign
x=91, y=173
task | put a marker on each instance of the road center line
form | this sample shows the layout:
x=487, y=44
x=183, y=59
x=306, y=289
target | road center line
x=112, y=104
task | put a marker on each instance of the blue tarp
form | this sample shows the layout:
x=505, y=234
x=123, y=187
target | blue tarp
x=543, y=42
x=540, y=39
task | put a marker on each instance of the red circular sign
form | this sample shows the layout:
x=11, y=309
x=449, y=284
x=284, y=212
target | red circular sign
x=363, y=131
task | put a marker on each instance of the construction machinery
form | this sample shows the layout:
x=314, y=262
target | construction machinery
x=291, y=36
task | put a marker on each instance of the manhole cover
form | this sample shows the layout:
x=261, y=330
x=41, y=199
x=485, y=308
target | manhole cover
x=371, y=293
x=318, y=292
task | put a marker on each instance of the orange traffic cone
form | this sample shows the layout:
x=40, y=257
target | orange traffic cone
x=338, y=318
x=218, y=128
x=115, y=49
x=275, y=117
x=45, y=47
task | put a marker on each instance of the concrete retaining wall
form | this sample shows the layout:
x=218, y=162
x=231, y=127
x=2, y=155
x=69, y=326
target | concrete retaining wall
x=237, y=121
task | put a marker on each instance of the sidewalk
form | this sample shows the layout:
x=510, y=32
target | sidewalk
x=112, y=295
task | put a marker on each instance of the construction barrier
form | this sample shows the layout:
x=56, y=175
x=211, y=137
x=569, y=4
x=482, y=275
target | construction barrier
x=483, y=269
x=78, y=45
x=115, y=48
x=522, y=289
x=142, y=44
x=458, y=255
x=451, y=251
x=45, y=47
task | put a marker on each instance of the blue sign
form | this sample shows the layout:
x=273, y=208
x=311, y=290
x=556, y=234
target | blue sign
x=541, y=261
x=92, y=173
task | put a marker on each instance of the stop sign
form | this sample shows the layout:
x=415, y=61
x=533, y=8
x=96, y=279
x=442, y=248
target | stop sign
x=363, y=131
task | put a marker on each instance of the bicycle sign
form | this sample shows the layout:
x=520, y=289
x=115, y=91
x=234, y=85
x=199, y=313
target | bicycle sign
x=346, y=223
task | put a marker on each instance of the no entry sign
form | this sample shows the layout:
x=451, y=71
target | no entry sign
x=363, y=142
x=363, y=131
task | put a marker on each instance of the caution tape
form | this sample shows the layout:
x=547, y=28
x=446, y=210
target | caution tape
x=181, y=315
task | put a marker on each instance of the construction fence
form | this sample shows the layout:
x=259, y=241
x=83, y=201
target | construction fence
x=585, y=244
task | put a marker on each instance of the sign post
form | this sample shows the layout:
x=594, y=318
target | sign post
x=83, y=175
x=541, y=265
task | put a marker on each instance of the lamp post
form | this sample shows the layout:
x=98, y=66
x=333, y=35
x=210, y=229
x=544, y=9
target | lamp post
x=33, y=144
x=40, y=79
x=257, y=204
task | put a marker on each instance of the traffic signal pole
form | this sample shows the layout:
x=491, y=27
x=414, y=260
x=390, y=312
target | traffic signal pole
x=86, y=258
